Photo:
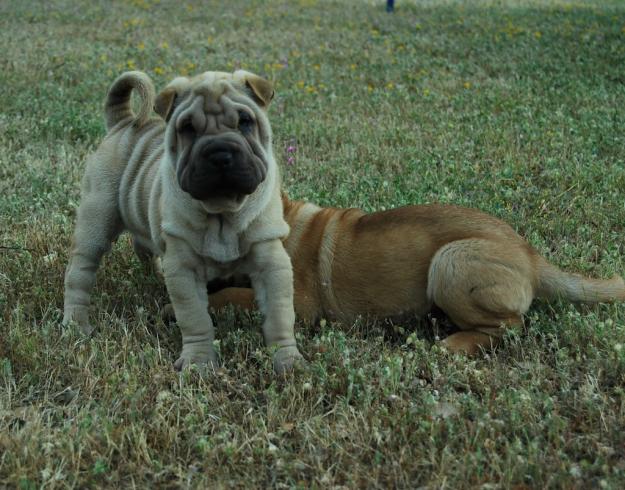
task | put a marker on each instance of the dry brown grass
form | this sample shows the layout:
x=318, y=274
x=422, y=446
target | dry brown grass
x=513, y=107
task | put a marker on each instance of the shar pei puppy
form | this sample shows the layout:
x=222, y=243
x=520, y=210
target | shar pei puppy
x=472, y=266
x=200, y=189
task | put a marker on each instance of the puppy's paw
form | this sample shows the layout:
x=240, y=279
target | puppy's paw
x=80, y=316
x=204, y=359
x=287, y=359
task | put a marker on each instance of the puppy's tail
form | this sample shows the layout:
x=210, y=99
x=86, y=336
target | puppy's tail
x=554, y=283
x=117, y=105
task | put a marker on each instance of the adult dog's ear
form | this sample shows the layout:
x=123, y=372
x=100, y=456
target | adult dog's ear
x=165, y=103
x=260, y=89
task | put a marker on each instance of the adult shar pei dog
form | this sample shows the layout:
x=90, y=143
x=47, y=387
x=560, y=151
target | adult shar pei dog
x=473, y=266
x=197, y=187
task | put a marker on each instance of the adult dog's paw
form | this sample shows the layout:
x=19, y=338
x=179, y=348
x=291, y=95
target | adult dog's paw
x=287, y=359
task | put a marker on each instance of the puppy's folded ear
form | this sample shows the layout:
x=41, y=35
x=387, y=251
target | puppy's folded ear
x=165, y=103
x=260, y=89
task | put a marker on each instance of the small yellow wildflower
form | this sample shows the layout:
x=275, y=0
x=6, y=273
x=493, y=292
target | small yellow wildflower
x=311, y=90
x=164, y=45
x=142, y=4
x=390, y=85
x=353, y=66
x=158, y=70
x=103, y=58
x=369, y=88
x=190, y=7
x=538, y=34
x=131, y=64
x=426, y=92
x=467, y=85
x=141, y=46
x=317, y=67
x=133, y=22
x=300, y=84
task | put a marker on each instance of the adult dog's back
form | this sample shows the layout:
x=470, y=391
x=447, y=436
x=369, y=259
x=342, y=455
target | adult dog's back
x=473, y=266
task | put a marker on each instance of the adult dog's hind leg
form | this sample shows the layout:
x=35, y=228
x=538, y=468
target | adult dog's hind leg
x=98, y=224
x=483, y=286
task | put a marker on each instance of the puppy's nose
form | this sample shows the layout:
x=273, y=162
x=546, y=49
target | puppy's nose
x=221, y=159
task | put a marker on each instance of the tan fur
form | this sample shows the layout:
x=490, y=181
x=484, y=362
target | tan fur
x=136, y=180
x=474, y=267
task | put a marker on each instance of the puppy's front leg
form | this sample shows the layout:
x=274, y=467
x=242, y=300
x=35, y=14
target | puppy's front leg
x=187, y=292
x=272, y=280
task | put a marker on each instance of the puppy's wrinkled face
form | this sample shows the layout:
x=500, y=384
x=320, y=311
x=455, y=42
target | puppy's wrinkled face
x=218, y=135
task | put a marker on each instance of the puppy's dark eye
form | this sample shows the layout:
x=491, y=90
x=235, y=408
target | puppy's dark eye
x=246, y=122
x=186, y=128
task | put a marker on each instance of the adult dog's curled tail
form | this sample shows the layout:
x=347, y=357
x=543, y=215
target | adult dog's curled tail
x=117, y=106
x=555, y=283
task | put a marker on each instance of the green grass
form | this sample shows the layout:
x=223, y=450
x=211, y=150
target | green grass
x=513, y=107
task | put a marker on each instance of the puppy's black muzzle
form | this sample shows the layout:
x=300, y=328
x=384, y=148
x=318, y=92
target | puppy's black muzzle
x=221, y=167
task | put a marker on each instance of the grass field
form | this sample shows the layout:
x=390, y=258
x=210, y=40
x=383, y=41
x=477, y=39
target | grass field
x=513, y=107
